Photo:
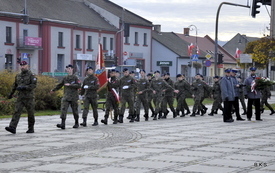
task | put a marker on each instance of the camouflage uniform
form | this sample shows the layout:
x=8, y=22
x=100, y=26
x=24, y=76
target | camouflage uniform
x=150, y=96
x=90, y=97
x=111, y=99
x=25, y=83
x=198, y=88
x=70, y=97
x=265, y=95
x=142, y=86
x=158, y=85
x=216, y=91
x=168, y=98
x=184, y=88
x=127, y=95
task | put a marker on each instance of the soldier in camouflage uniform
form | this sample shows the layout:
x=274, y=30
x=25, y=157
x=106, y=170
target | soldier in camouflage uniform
x=150, y=94
x=89, y=90
x=159, y=86
x=127, y=86
x=184, y=88
x=143, y=86
x=266, y=94
x=198, y=87
x=168, y=97
x=112, y=98
x=71, y=85
x=216, y=94
x=24, y=84
x=241, y=94
x=187, y=92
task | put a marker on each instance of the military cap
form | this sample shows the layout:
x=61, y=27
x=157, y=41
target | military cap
x=216, y=77
x=132, y=72
x=200, y=75
x=168, y=74
x=89, y=68
x=179, y=75
x=70, y=65
x=234, y=71
x=113, y=70
x=149, y=74
x=227, y=70
x=157, y=71
x=142, y=70
x=23, y=63
x=117, y=71
x=253, y=69
x=125, y=69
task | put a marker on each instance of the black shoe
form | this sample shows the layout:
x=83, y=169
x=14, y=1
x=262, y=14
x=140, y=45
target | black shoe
x=203, y=112
x=104, y=122
x=76, y=125
x=129, y=117
x=62, y=126
x=30, y=131
x=10, y=129
x=146, y=117
x=198, y=113
x=182, y=115
x=174, y=115
x=95, y=123
x=188, y=112
x=229, y=121
x=272, y=112
x=115, y=122
x=259, y=119
x=211, y=113
x=193, y=114
x=240, y=119
x=84, y=124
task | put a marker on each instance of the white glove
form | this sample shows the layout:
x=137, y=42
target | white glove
x=125, y=87
x=86, y=87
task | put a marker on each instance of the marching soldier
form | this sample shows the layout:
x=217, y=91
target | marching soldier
x=198, y=87
x=71, y=85
x=168, y=97
x=183, y=86
x=216, y=92
x=112, y=98
x=89, y=90
x=150, y=93
x=142, y=89
x=159, y=86
x=24, y=84
x=127, y=86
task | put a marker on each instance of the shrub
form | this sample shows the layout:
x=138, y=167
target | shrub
x=6, y=82
x=6, y=106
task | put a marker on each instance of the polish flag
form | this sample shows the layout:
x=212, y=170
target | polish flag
x=238, y=52
x=190, y=48
x=100, y=70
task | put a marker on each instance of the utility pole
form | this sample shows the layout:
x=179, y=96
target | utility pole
x=216, y=30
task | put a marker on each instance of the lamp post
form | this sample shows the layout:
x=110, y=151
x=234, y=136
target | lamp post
x=192, y=27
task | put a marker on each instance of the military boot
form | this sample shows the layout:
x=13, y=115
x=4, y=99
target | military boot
x=30, y=130
x=188, y=112
x=105, y=120
x=211, y=113
x=76, y=124
x=129, y=117
x=198, y=112
x=183, y=115
x=11, y=129
x=203, y=112
x=160, y=115
x=137, y=118
x=178, y=112
x=272, y=112
x=164, y=115
x=132, y=119
x=146, y=117
x=174, y=114
x=153, y=113
x=62, y=125
x=120, y=119
x=84, y=123
x=115, y=119
x=193, y=114
x=155, y=116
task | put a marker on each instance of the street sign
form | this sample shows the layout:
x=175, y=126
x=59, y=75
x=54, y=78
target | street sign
x=245, y=58
x=195, y=57
x=208, y=56
x=208, y=63
x=220, y=66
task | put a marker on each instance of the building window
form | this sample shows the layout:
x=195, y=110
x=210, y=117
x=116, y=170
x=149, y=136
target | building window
x=60, y=39
x=145, y=39
x=8, y=34
x=60, y=63
x=25, y=34
x=111, y=44
x=8, y=61
x=104, y=43
x=90, y=42
x=126, y=40
x=136, y=37
x=77, y=42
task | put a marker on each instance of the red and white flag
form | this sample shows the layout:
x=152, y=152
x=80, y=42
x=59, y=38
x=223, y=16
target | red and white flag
x=100, y=70
x=237, y=53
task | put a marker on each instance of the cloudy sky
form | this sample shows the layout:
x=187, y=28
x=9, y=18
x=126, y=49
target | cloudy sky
x=174, y=15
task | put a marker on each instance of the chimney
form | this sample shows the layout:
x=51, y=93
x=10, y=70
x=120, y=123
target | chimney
x=186, y=31
x=157, y=28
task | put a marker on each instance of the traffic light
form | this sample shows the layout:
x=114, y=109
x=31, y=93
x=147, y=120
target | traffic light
x=25, y=19
x=255, y=7
x=220, y=58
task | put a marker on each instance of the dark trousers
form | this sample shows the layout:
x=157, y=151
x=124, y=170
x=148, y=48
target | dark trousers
x=256, y=103
x=227, y=110
x=236, y=107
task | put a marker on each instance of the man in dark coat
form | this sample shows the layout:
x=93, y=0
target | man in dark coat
x=216, y=94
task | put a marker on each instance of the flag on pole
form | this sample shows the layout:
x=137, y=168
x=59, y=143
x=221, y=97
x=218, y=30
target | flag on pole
x=100, y=70
x=190, y=49
x=237, y=53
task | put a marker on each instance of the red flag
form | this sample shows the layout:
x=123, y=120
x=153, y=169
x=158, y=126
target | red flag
x=100, y=70
x=190, y=49
x=238, y=52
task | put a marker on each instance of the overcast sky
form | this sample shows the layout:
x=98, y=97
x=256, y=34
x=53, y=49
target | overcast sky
x=174, y=15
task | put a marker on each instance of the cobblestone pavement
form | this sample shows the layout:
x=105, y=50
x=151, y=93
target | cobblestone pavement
x=183, y=144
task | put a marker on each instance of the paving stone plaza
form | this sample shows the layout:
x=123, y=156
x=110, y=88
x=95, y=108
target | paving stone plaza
x=189, y=144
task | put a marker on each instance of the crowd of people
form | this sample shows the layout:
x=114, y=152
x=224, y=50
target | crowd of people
x=154, y=91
